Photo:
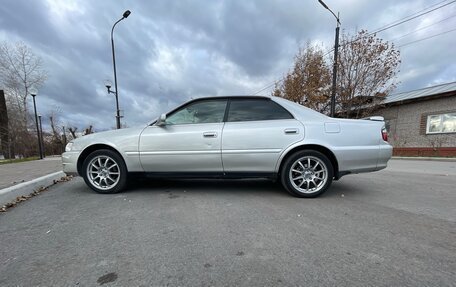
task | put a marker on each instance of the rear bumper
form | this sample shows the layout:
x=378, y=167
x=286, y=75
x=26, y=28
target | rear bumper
x=364, y=161
x=384, y=155
x=70, y=162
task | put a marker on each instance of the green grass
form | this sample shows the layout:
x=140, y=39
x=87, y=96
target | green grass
x=7, y=161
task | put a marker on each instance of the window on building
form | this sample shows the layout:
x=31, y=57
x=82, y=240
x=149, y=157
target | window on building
x=443, y=123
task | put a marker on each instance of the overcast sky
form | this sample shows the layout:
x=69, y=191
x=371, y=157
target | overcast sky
x=170, y=51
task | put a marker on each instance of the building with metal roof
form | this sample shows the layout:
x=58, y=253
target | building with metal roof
x=441, y=89
x=422, y=122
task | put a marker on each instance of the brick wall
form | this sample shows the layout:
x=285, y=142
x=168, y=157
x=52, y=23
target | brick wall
x=407, y=124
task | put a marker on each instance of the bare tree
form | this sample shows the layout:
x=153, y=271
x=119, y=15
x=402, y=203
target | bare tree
x=88, y=130
x=366, y=73
x=20, y=69
x=309, y=82
x=55, y=128
x=73, y=132
x=22, y=140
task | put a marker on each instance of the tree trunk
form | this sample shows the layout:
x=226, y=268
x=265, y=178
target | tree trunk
x=4, y=131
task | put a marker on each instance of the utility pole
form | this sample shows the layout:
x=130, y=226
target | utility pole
x=336, y=53
x=334, y=80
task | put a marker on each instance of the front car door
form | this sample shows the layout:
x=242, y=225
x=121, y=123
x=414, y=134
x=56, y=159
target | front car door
x=256, y=132
x=190, y=140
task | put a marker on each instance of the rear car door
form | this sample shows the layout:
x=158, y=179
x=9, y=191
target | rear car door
x=190, y=140
x=256, y=132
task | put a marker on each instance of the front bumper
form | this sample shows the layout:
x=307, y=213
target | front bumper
x=70, y=162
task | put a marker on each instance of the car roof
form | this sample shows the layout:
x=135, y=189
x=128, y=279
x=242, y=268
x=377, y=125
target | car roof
x=232, y=97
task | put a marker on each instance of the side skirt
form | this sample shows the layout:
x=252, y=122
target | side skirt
x=216, y=175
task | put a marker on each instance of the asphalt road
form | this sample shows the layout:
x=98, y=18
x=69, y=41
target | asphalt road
x=396, y=227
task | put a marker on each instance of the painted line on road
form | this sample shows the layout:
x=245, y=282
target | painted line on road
x=31, y=182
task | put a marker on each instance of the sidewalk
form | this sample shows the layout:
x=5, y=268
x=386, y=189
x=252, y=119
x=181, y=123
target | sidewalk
x=22, y=178
x=15, y=173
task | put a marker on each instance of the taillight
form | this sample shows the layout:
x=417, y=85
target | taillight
x=384, y=134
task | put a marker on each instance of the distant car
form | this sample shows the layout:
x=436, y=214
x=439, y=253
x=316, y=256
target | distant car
x=234, y=137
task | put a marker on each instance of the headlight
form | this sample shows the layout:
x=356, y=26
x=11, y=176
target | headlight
x=69, y=146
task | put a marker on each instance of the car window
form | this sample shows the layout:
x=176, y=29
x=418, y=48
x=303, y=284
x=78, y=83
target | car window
x=256, y=110
x=210, y=111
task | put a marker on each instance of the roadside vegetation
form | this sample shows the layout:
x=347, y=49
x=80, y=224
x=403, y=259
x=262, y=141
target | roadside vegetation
x=21, y=71
x=16, y=160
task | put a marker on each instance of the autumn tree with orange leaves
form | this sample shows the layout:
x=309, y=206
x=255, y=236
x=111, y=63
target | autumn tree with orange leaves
x=309, y=82
x=366, y=74
x=367, y=70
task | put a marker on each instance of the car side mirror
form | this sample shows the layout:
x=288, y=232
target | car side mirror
x=161, y=120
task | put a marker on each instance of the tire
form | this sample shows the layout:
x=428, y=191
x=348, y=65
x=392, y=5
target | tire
x=104, y=171
x=302, y=181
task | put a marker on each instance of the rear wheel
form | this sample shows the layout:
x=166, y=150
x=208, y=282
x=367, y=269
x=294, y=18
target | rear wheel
x=307, y=173
x=104, y=171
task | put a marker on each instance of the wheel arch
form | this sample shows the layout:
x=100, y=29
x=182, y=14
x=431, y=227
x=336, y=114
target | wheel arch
x=88, y=150
x=324, y=150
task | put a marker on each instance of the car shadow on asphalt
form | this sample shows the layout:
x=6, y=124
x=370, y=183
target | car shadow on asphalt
x=144, y=185
x=345, y=188
x=209, y=186
x=225, y=186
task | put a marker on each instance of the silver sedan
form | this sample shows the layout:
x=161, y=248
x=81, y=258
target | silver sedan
x=234, y=137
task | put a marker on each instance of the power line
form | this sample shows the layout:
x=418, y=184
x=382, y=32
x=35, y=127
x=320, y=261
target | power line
x=413, y=14
x=392, y=25
x=267, y=87
x=422, y=28
x=419, y=40
x=409, y=19
x=401, y=22
x=395, y=23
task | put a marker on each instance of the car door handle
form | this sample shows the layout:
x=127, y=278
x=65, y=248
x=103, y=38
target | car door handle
x=210, y=134
x=291, y=131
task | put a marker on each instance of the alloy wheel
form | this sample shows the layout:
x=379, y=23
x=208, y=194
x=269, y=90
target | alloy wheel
x=308, y=174
x=103, y=172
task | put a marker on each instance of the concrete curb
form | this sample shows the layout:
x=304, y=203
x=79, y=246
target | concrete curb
x=10, y=193
x=425, y=158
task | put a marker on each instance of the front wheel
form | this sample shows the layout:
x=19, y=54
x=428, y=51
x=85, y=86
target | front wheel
x=307, y=173
x=104, y=171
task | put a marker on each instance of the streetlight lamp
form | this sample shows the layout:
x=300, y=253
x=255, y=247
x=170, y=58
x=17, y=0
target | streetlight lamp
x=116, y=92
x=41, y=137
x=336, y=52
x=33, y=92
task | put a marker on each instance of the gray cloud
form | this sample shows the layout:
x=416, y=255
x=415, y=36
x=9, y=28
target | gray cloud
x=170, y=51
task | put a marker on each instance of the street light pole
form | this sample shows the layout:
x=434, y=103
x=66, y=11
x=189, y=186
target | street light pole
x=33, y=94
x=41, y=137
x=116, y=92
x=64, y=138
x=336, y=53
